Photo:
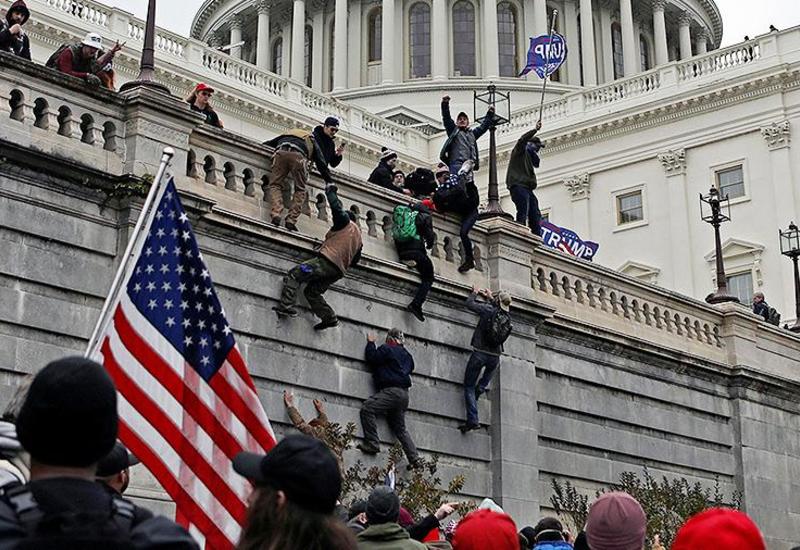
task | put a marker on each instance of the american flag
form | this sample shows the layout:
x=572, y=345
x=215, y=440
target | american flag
x=187, y=404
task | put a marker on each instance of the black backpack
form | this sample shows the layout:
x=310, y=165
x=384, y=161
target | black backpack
x=421, y=182
x=451, y=195
x=97, y=530
x=773, y=317
x=498, y=328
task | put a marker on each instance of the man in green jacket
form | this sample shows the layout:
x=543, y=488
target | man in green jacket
x=521, y=178
x=384, y=533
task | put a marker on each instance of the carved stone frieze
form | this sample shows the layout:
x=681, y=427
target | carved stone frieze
x=777, y=134
x=674, y=162
x=578, y=186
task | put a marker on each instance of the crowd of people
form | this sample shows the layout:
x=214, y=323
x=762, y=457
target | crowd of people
x=64, y=475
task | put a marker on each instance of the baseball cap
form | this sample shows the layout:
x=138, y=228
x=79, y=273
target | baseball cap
x=300, y=466
x=203, y=87
x=441, y=168
x=93, y=40
x=69, y=417
x=117, y=460
x=719, y=528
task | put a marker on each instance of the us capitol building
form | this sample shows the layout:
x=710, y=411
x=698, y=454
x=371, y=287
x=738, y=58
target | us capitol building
x=646, y=113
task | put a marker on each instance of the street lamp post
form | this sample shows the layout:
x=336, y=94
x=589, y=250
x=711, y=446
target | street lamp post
x=716, y=210
x=790, y=246
x=501, y=102
x=148, y=62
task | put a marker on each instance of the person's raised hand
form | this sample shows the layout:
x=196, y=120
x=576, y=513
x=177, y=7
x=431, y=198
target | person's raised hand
x=318, y=404
x=491, y=109
x=475, y=289
x=538, y=124
x=117, y=47
x=372, y=338
x=445, y=510
x=288, y=398
x=340, y=149
x=446, y=99
x=15, y=29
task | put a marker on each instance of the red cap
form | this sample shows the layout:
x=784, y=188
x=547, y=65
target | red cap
x=485, y=529
x=719, y=528
x=203, y=87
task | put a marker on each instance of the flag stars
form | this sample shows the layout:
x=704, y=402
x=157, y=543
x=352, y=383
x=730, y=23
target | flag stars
x=217, y=344
x=181, y=286
x=168, y=305
x=172, y=214
x=152, y=304
x=159, y=215
x=226, y=331
x=162, y=250
x=211, y=311
x=174, y=232
x=203, y=342
x=196, y=289
x=186, y=323
x=149, y=269
x=137, y=287
x=170, y=322
x=183, y=217
x=184, y=305
x=198, y=306
x=161, y=233
x=201, y=324
x=187, y=341
x=207, y=291
x=151, y=286
x=148, y=251
x=166, y=287
x=186, y=235
x=204, y=274
x=205, y=361
x=176, y=251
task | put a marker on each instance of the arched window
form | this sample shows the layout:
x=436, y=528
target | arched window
x=374, y=35
x=644, y=53
x=463, y=38
x=507, y=38
x=277, y=56
x=556, y=76
x=616, y=48
x=307, y=53
x=419, y=30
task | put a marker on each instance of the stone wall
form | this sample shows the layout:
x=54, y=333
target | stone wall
x=603, y=373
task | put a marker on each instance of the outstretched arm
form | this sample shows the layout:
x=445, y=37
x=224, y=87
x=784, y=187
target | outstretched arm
x=338, y=213
x=447, y=120
x=485, y=125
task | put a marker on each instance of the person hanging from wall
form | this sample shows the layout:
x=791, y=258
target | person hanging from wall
x=458, y=194
x=293, y=151
x=412, y=231
x=383, y=173
x=340, y=251
x=493, y=329
x=200, y=102
x=521, y=178
x=85, y=61
x=318, y=428
x=12, y=38
x=391, y=366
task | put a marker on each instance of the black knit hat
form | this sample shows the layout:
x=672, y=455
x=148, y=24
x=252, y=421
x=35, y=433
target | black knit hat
x=69, y=417
x=300, y=466
x=331, y=121
x=383, y=506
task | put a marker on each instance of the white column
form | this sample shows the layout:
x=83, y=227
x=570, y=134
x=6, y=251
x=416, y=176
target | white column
x=354, y=46
x=340, y=46
x=387, y=41
x=570, y=20
x=236, y=36
x=262, y=38
x=491, y=51
x=674, y=164
x=587, y=44
x=440, y=53
x=286, y=48
x=318, y=50
x=541, y=24
x=628, y=42
x=298, y=41
x=701, y=42
x=608, y=50
x=660, y=32
x=685, y=34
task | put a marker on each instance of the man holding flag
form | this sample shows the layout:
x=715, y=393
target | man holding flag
x=187, y=404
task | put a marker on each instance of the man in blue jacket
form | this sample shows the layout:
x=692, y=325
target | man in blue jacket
x=391, y=366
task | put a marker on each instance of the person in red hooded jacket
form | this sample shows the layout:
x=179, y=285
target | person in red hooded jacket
x=12, y=38
x=485, y=529
x=719, y=529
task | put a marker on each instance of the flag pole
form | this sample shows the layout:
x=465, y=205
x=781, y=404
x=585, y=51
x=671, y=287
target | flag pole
x=145, y=215
x=549, y=49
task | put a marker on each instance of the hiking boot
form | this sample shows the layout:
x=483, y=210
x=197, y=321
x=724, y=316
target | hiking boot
x=466, y=266
x=283, y=312
x=416, y=310
x=368, y=448
x=276, y=221
x=290, y=226
x=415, y=464
x=464, y=428
x=330, y=323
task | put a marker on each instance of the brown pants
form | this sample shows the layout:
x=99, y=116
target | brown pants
x=288, y=163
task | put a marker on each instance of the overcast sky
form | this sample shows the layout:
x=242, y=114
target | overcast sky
x=739, y=17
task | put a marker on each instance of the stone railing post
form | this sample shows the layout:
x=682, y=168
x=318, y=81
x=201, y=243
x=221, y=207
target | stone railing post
x=119, y=23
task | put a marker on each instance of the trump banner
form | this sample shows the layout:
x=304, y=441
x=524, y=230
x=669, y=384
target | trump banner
x=567, y=241
x=545, y=55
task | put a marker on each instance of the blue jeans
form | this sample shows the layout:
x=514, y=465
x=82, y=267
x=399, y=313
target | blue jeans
x=527, y=207
x=477, y=361
x=467, y=223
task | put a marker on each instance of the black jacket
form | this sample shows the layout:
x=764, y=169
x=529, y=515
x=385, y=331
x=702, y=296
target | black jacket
x=472, y=136
x=407, y=249
x=19, y=44
x=382, y=175
x=327, y=146
x=521, y=170
x=391, y=366
x=486, y=312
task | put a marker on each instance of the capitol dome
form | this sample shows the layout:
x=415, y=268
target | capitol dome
x=451, y=46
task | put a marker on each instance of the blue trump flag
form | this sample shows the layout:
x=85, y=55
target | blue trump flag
x=545, y=55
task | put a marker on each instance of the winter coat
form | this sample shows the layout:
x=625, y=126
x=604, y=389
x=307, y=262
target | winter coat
x=391, y=365
x=520, y=164
x=307, y=144
x=18, y=44
x=762, y=309
x=211, y=115
x=327, y=146
x=553, y=545
x=420, y=529
x=383, y=175
x=387, y=536
x=472, y=200
x=342, y=245
x=424, y=223
x=486, y=311
x=461, y=144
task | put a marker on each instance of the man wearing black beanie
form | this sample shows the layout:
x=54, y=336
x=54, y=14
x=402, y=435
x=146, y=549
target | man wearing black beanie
x=67, y=423
x=383, y=511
